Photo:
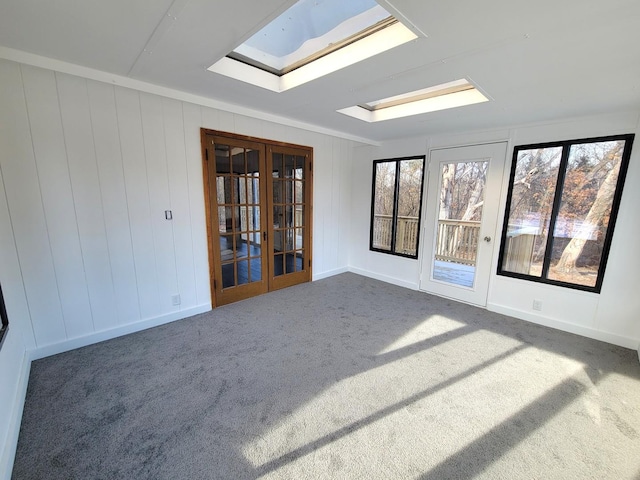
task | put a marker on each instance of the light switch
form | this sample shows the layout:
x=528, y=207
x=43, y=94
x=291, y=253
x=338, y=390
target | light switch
x=168, y=215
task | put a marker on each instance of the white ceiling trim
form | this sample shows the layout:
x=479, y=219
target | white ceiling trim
x=100, y=76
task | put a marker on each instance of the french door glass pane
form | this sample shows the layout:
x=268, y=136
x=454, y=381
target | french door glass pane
x=256, y=268
x=288, y=221
x=228, y=276
x=278, y=264
x=238, y=213
x=291, y=263
x=243, y=272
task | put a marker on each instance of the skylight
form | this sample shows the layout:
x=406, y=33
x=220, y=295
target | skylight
x=440, y=97
x=311, y=39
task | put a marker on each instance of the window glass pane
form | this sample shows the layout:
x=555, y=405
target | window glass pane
x=583, y=217
x=409, y=191
x=383, y=197
x=462, y=188
x=533, y=191
x=571, y=191
x=397, y=191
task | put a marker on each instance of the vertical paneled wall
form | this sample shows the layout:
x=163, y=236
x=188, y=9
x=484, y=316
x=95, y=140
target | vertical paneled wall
x=89, y=169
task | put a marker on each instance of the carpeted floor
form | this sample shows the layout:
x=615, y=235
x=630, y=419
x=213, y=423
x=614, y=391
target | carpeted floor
x=345, y=378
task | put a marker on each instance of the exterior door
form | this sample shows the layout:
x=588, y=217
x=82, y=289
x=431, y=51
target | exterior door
x=463, y=197
x=258, y=203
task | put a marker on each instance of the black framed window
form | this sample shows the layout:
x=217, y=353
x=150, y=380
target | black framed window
x=561, y=210
x=4, y=320
x=396, y=205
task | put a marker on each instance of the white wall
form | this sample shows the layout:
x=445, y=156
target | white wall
x=389, y=268
x=14, y=364
x=610, y=316
x=87, y=170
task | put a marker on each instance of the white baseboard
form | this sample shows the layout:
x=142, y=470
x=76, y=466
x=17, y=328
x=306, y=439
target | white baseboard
x=54, y=349
x=626, y=342
x=384, y=278
x=15, y=410
x=330, y=273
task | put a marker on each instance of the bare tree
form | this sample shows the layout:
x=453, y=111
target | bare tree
x=598, y=214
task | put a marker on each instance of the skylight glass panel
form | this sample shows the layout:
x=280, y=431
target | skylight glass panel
x=308, y=30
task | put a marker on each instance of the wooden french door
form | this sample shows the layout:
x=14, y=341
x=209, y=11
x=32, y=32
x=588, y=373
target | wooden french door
x=258, y=203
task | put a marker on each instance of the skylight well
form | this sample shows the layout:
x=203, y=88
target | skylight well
x=311, y=39
x=439, y=97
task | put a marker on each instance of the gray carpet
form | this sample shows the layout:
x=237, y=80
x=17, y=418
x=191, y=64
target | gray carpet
x=342, y=378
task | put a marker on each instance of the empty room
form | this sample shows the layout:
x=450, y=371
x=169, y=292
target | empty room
x=339, y=239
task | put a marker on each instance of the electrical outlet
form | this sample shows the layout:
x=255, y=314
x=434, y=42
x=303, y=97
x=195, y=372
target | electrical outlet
x=537, y=305
x=175, y=300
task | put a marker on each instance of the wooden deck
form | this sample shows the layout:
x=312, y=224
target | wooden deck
x=454, y=273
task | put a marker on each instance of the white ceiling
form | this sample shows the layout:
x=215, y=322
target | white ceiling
x=536, y=60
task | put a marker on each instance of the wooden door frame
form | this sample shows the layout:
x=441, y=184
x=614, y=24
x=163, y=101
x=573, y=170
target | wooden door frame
x=204, y=133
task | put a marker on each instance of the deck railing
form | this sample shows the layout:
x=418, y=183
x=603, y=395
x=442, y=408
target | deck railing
x=406, y=234
x=456, y=241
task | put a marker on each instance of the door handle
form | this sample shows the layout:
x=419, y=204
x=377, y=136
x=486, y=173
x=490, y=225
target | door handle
x=264, y=236
x=487, y=239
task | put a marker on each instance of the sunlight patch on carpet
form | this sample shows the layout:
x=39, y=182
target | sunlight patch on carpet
x=431, y=327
